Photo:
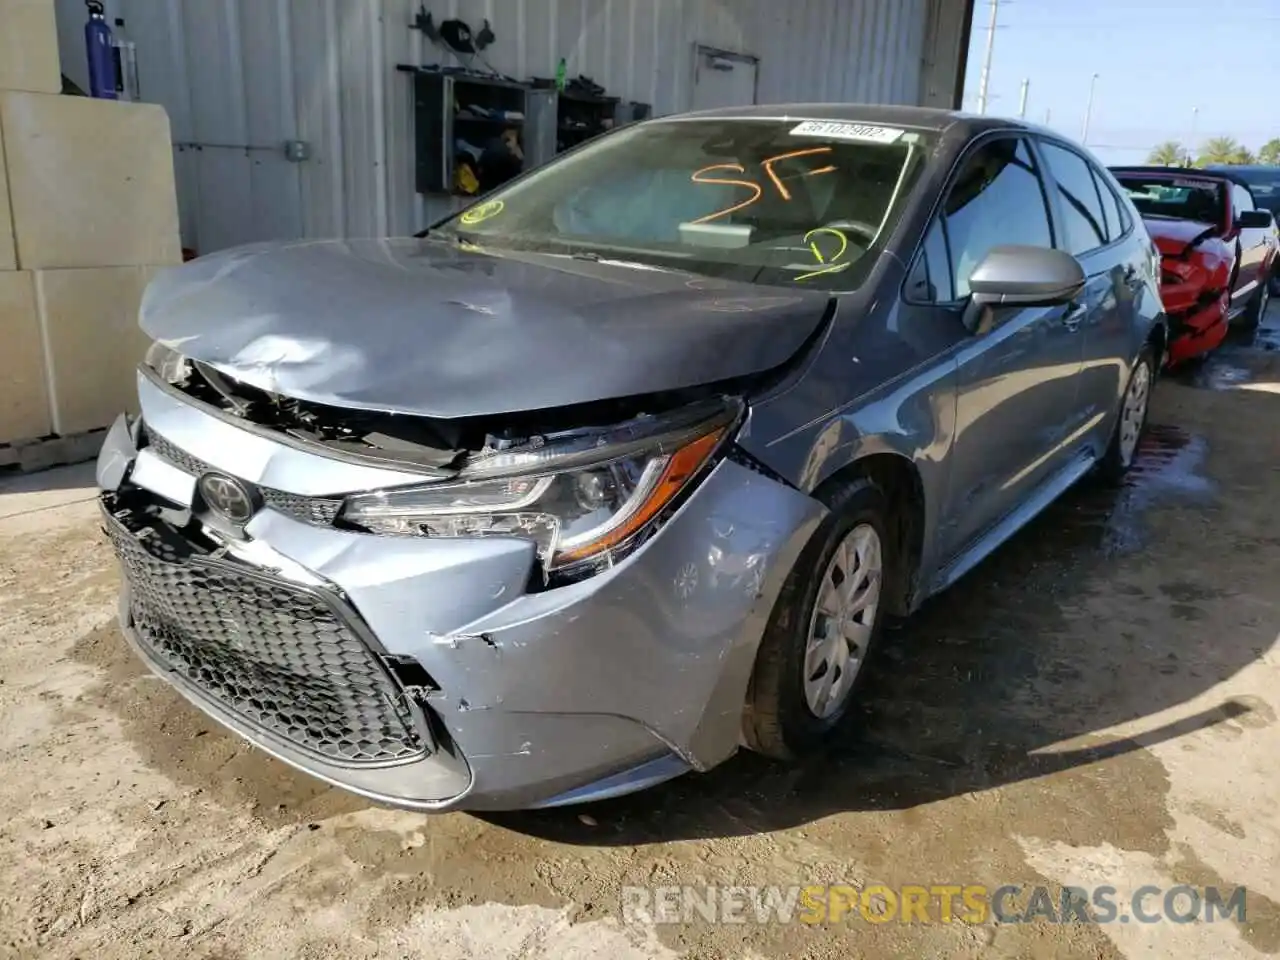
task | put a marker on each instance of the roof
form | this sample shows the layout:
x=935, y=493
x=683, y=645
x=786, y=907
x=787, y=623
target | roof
x=927, y=118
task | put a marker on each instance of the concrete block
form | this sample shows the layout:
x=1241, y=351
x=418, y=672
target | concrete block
x=89, y=319
x=24, y=402
x=8, y=252
x=29, y=46
x=91, y=182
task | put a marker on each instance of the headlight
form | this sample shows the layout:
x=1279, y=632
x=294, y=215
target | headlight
x=580, y=503
x=171, y=366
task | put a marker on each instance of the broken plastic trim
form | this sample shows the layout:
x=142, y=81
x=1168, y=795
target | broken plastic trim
x=657, y=434
x=1195, y=242
x=307, y=445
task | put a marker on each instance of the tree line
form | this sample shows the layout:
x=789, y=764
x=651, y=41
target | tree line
x=1216, y=150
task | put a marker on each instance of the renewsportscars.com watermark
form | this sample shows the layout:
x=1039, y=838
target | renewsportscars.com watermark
x=932, y=903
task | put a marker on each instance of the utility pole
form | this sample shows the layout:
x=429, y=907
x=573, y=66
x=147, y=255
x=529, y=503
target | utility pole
x=984, y=79
x=1048, y=114
x=1022, y=100
x=1088, y=112
x=1191, y=142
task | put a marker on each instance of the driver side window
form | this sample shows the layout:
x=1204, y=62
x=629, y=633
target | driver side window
x=997, y=198
x=1241, y=199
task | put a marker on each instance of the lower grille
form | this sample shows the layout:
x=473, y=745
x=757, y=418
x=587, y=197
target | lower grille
x=282, y=657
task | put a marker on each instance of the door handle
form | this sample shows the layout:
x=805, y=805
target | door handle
x=1074, y=317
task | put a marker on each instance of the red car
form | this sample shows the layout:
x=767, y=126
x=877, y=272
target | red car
x=1216, y=252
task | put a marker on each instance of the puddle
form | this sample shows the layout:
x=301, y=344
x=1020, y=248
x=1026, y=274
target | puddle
x=1169, y=467
x=1231, y=365
x=1170, y=460
x=1220, y=374
x=1267, y=339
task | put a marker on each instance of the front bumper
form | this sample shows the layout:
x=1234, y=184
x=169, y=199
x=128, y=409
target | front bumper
x=1197, y=331
x=534, y=698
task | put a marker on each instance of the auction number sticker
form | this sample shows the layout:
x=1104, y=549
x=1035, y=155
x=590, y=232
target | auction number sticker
x=838, y=130
x=482, y=212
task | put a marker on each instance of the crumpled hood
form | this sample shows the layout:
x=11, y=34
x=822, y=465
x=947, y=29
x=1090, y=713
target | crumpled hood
x=1174, y=237
x=425, y=327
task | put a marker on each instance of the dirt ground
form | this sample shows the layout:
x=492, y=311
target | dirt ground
x=1094, y=705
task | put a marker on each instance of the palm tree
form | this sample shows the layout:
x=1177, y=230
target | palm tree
x=1269, y=153
x=1167, y=154
x=1225, y=150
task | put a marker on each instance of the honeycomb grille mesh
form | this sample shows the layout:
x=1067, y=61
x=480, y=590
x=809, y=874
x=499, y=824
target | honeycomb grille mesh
x=276, y=655
x=317, y=511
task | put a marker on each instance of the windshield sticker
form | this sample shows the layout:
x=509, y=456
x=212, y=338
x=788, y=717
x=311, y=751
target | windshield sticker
x=829, y=254
x=836, y=130
x=1196, y=184
x=482, y=212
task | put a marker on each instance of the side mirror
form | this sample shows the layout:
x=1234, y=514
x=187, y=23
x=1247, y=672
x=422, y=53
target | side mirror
x=1024, y=276
x=1254, y=220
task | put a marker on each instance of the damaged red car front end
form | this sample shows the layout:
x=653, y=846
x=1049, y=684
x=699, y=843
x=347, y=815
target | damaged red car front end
x=1195, y=285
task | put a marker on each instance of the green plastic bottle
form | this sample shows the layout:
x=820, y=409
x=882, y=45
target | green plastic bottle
x=560, y=72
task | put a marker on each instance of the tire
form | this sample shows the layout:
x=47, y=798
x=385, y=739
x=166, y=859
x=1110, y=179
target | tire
x=1123, y=448
x=779, y=720
x=1257, y=308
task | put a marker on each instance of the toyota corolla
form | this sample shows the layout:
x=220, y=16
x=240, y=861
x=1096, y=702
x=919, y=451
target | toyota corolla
x=625, y=465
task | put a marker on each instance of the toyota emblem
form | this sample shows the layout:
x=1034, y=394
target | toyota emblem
x=227, y=497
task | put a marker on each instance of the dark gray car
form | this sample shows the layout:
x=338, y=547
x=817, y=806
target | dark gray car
x=625, y=465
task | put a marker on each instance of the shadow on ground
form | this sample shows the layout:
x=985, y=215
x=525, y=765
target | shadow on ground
x=22, y=493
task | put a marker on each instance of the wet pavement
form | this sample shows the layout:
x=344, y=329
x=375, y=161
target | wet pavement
x=1095, y=704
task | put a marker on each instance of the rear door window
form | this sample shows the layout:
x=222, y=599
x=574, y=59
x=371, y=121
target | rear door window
x=1085, y=223
x=1115, y=220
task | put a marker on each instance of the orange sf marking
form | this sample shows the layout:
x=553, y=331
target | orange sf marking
x=700, y=176
x=768, y=167
x=736, y=168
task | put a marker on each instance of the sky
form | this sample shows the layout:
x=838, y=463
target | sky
x=1156, y=61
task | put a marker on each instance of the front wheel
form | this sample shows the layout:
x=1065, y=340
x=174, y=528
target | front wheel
x=812, y=659
x=1256, y=308
x=1131, y=420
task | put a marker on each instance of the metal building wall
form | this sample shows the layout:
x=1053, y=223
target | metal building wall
x=240, y=77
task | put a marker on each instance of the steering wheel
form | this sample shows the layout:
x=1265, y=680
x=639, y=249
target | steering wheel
x=859, y=227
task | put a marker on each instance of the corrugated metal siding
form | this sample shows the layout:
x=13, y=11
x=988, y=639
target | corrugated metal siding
x=243, y=76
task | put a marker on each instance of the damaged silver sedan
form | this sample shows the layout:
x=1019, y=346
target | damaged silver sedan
x=625, y=465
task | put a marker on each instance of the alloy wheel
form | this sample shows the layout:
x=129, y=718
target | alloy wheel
x=843, y=619
x=1134, y=412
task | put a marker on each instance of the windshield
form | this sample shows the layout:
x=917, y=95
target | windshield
x=765, y=201
x=1264, y=184
x=1176, y=197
